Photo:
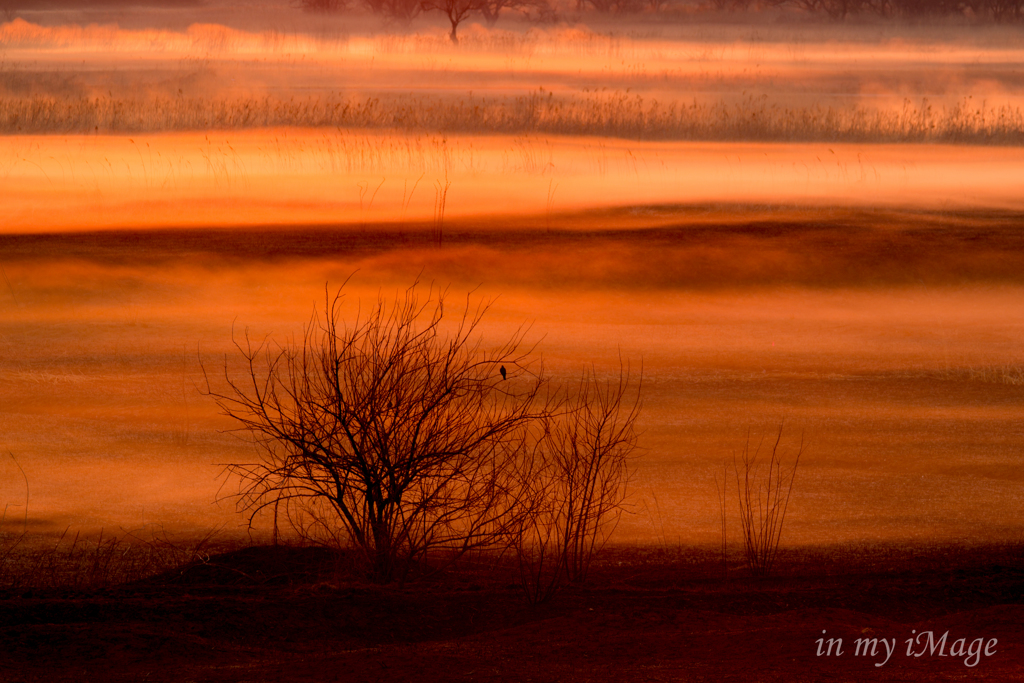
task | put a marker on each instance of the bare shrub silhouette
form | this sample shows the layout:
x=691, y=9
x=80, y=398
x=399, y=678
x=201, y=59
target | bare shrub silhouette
x=763, y=495
x=575, y=481
x=395, y=434
x=535, y=537
x=591, y=448
x=401, y=435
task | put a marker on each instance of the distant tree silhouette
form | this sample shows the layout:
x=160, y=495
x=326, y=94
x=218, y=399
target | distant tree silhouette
x=455, y=10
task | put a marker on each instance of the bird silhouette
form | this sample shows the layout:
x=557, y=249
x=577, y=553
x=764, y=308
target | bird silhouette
x=502, y=371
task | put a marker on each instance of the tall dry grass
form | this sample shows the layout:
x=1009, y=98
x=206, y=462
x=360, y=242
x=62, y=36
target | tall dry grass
x=40, y=561
x=618, y=115
x=992, y=374
x=73, y=562
x=56, y=80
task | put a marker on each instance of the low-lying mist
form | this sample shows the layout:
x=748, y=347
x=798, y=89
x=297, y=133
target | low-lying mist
x=785, y=84
x=633, y=249
x=281, y=177
x=796, y=224
x=899, y=364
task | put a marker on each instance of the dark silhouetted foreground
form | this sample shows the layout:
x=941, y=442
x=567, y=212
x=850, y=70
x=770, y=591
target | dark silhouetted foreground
x=287, y=614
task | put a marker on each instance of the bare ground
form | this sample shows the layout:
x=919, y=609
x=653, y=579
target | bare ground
x=646, y=614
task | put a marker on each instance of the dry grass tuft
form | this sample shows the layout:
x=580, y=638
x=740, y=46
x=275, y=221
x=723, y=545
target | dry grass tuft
x=764, y=499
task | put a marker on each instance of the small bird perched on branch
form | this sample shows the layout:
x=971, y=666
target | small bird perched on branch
x=502, y=371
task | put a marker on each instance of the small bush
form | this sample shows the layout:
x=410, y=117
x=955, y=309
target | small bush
x=764, y=498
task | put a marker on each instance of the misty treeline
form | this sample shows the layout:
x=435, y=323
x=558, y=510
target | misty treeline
x=996, y=10
x=457, y=11
x=404, y=438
